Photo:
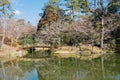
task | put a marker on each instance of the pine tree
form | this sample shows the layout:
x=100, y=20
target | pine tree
x=5, y=12
x=73, y=6
x=5, y=8
x=102, y=13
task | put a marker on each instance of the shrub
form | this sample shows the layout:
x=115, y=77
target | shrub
x=26, y=41
x=73, y=38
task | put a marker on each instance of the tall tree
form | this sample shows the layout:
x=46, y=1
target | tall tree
x=52, y=13
x=5, y=8
x=73, y=6
x=114, y=6
x=100, y=9
x=47, y=30
x=5, y=12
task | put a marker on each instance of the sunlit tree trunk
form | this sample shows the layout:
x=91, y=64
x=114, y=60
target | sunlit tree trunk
x=102, y=34
x=3, y=11
x=3, y=34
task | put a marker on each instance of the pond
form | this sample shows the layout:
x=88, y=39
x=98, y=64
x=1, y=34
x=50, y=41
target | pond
x=104, y=68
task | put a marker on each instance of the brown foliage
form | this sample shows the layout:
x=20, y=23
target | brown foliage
x=50, y=15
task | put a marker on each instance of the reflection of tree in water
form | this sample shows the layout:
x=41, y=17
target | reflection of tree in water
x=68, y=69
x=20, y=71
x=26, y=65
x=12, y=72
x=65, y=69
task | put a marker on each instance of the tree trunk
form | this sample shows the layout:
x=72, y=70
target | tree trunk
x=95, y=5
x=11, y=42
x=3, y=34
x=102, y=35
x=2, y=42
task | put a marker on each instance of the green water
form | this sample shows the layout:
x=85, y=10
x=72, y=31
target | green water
x=105, y=68
x=75, y=69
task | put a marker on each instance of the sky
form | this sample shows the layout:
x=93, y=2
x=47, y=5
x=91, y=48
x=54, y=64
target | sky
x=28, y=10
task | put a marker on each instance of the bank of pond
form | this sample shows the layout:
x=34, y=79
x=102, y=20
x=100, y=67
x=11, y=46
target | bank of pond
x=83, y=52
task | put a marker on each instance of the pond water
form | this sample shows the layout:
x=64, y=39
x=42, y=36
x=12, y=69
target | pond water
x=104, y=68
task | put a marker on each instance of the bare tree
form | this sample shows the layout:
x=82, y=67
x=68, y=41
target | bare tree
x=3, y=30
x=13, y=30
x=50, y=34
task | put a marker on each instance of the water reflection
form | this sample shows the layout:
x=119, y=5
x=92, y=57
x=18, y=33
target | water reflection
x=66, y=69
x=117, y=77
x=16, y=73
x=32, y=75
x=71, y=69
